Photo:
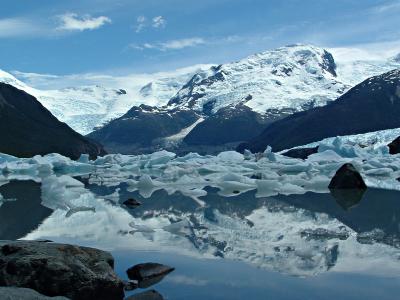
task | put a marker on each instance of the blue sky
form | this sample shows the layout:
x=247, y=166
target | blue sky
x=128, y=36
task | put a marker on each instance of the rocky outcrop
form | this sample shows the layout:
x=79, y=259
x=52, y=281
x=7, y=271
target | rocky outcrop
x=13, y=293
x=142, y=128
x=28, y=129
x=52, y=269
x=394, y=147
x=347, y=177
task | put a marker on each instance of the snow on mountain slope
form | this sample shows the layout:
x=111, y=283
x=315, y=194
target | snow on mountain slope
x=289, y=78
x=284, y=80
x=86, y=107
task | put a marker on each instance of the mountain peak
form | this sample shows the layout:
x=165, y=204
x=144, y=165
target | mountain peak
x=287, y=77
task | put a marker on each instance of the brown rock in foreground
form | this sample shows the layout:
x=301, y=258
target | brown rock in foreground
x=52, y=269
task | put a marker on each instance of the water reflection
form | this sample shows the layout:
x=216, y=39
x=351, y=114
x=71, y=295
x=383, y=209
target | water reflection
x=300, y=235
x=23, y=212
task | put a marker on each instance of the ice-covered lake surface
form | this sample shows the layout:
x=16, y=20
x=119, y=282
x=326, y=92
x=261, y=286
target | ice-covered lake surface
x=234, y=226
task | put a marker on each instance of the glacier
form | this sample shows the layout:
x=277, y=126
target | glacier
x=85, y=107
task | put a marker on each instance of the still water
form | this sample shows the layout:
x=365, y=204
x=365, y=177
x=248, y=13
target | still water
x=311, y=246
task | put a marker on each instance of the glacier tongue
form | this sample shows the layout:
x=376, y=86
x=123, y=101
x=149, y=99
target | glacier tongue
x=85, y=107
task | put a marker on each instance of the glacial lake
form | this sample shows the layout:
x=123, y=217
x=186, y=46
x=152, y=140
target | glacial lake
x=310, y=246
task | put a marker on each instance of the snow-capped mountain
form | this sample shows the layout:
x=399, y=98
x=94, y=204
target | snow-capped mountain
x=254, y=92
x=86, y=107
x=291, y=77
x=236, y=101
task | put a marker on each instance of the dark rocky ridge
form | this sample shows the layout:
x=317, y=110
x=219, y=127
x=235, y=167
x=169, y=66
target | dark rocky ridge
x=141, y=128
x=232, y=124
x=370, y=106
x=27, y=129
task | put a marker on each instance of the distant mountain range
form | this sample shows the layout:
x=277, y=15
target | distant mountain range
x=235, y=102
x=206, y=108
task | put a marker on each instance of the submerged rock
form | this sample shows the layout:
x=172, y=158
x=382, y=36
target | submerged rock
x=148, y=274
x=302, y=153
x=394, y=147
x=347, y=177
x=131, y=203
x=59, y=270
x=14, y=293
x=148, y=295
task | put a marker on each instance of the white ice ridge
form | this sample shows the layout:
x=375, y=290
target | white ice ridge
x=230, y=172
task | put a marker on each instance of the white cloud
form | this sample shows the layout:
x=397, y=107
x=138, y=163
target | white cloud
x=387, y=7
x=159, y=22
x=18, y=27
x=73, y=22
x=172, y=44
x=141, y=23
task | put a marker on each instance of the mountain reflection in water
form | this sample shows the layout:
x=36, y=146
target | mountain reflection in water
x=298, y=235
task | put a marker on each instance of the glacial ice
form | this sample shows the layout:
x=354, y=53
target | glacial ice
x=232, y=173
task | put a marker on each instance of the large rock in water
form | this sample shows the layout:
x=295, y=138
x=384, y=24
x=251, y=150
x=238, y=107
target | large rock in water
x=13, y=293
x=53, y=269
x=370, y=106
x=347, y=177
x=27, y=128
x=394, y=147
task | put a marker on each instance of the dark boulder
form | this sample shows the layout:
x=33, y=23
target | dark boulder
x=301, y=153
x=394, y=147
x=148, y=274
x=131, y=203
x=53, y=269
x=148, y=295
x=347, y=177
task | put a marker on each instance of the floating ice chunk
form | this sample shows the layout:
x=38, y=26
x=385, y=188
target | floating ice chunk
x=267, y=188
x=233, y=188
x=147, y=186
x=268, y=154
x=84, y=158
x=296, y=168
x=232, y=156
x=291, y=189
x=7, y=158
x=379, y=172
x=326, y=155
x=159, y=158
